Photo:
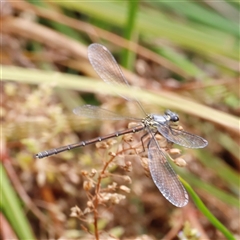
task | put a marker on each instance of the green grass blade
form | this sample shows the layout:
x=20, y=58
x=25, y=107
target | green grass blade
x=12, y=209
x=200, y=205
x=128, y=57
x=197, y=12
x=180, y=60
x=151, y=23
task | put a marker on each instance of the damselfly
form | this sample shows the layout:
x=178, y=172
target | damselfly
x=161, y=171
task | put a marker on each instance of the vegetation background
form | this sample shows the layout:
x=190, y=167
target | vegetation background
x=182, y=55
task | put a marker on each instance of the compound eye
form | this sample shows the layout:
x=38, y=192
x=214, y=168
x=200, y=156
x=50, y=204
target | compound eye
x=175, y=118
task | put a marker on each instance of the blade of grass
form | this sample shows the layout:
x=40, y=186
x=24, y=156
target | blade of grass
x=12, y=209
x=228, y=143
x=150, y=22
x=200, y=14
x=163, y=98
x=180, y=61
x=128, y=57
x=200, y=205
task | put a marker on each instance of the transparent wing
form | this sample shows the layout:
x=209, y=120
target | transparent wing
x=90, y=111
x=108, y=69
x=106, y=66
x=182, y=138
x=164, y=176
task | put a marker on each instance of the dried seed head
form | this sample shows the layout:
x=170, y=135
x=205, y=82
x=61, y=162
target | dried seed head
x=88, y=185
x=90, y=204
x=144, y=162
x=127, y=179
x=113, y=186
x=174, y=151
x=114, y=198
x=159, y=137
x=112, y=154
x=102, y=145
x=93, y=173
x=128, y=138
x=84, y=173
x=87, y=210
x=111, y=142
x=133, y=124
x=105, y=197
x=180, y=162
x=125, y=189
x=76, y=212
x=128, y=166
x=138, y=150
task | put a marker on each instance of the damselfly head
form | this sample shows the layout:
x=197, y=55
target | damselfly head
x=173, y=116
